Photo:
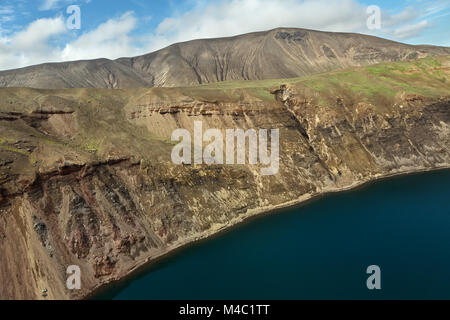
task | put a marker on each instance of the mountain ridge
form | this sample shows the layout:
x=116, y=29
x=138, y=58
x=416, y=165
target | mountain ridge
x=273, y=54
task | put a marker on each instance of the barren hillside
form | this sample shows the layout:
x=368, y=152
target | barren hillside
x=275, y=54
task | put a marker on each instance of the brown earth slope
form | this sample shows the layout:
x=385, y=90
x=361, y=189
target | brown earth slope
x=86, y=177
x=274, y=54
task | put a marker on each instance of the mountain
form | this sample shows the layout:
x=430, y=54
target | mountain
x=274, y=54
x=87, y=178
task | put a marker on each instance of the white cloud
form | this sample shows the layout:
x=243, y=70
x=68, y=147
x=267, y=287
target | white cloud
x=54, y=4
x=232, y=17
x=6, y=14
x=6, y=10
x=406, y=15
x=226, y=18
x=410, y=30
x=37, y=33
x=49, y=4
x=110, y=40
x=31, y=45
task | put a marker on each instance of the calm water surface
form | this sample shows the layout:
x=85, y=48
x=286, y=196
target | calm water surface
x=320, y=250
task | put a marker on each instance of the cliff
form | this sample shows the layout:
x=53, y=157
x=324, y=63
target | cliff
x=86, y=176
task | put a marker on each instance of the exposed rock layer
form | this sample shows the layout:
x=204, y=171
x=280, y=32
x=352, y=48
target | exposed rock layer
x=86, y=177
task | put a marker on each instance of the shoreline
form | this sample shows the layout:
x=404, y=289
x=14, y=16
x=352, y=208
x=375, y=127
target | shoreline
x=146, y=264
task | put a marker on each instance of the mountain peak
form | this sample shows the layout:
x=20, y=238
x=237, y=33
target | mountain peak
x=278, y=53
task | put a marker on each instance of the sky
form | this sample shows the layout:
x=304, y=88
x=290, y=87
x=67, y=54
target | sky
x=40, y=31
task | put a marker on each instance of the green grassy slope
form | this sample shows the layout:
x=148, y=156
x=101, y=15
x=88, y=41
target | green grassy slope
x=428, y=77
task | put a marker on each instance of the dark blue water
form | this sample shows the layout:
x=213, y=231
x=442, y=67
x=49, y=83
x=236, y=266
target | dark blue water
x=320, y=250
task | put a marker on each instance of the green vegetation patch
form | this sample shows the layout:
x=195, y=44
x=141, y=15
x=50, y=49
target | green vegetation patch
x=427, y=77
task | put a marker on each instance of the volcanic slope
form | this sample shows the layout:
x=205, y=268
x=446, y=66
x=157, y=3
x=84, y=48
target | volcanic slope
x=274, y=54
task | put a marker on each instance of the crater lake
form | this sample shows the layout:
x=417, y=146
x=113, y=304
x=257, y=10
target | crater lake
x=318, y=250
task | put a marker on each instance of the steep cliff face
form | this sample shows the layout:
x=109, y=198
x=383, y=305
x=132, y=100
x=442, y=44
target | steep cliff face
x=86, y=176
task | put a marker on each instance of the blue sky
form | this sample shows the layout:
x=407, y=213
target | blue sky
x=35, y=31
